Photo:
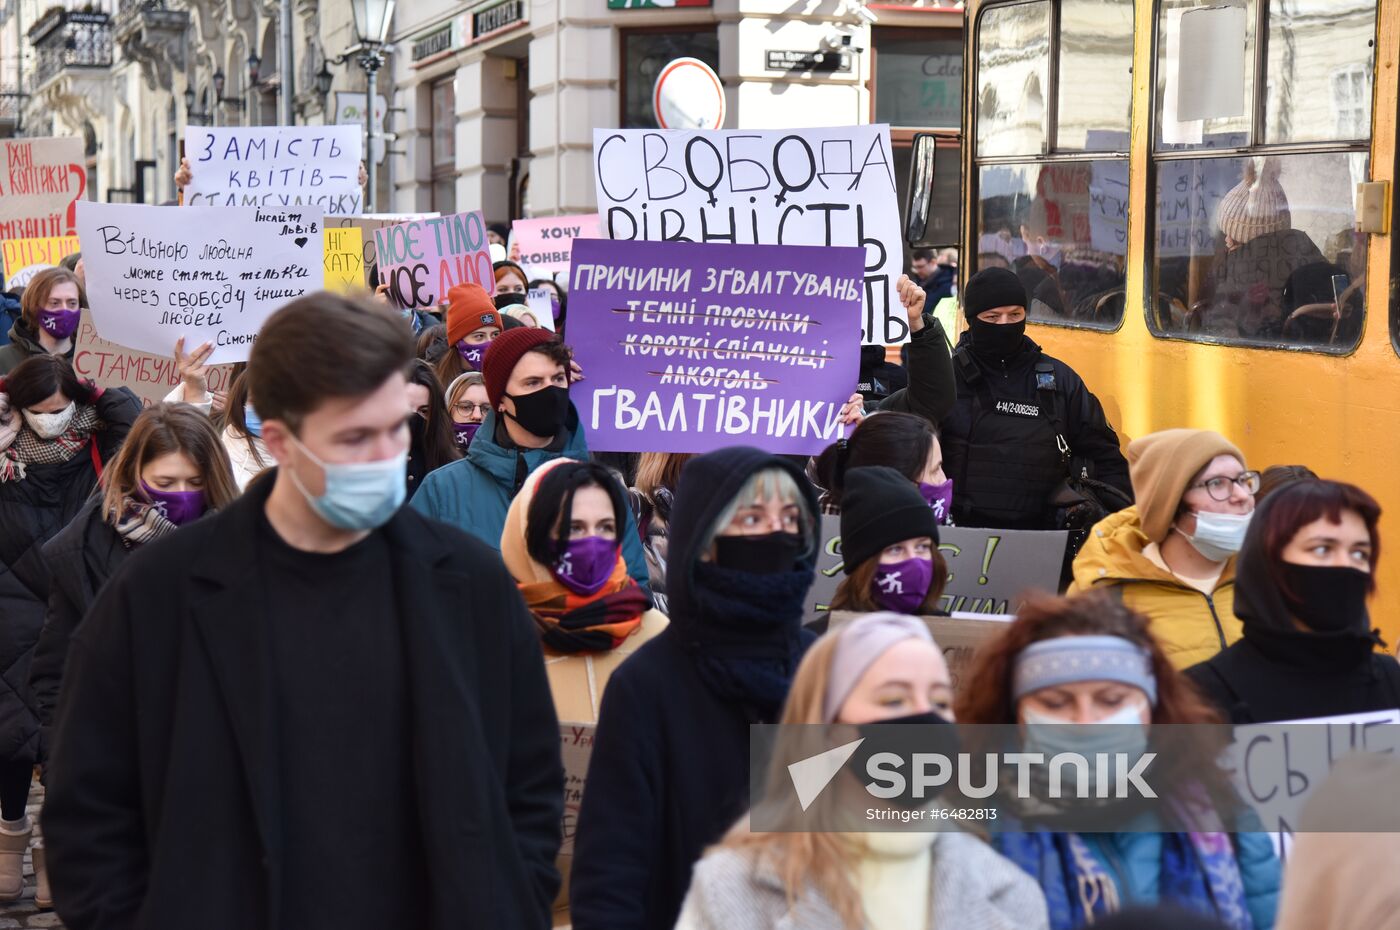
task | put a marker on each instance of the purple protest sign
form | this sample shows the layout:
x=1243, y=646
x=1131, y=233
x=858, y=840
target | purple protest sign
x=691, y=347
x=421, y=260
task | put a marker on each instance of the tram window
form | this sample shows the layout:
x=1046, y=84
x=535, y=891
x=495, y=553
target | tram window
x=1012, y=57
x=1260, y=250
x=1058, y=219
x=1062, y=228
x=1095, y=74
x=1320, y=67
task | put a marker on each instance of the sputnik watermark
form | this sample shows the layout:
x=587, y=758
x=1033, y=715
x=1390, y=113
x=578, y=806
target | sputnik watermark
x=1115, y=775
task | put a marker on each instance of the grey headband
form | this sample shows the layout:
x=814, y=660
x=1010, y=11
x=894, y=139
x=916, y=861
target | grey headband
x=1069, y=659
x=859, y=643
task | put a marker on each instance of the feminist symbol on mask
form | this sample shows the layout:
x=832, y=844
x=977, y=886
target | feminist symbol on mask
x=938, y=510
x=565, y=565
x=890, y=583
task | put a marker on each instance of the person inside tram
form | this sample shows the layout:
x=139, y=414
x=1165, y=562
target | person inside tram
x=879, y=668
x=1001, y=442
x=1171, y=556
x=1308, y=649
x=1090, y=659
x=1262, y=252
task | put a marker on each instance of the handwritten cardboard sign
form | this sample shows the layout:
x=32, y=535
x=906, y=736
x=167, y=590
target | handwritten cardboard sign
x=205, y=273
x=367, y=223
x=959, y=637
x=693, y=347
x=1277, y=766
x=344, y=260
x=422, y=260
x=988, y=570
x=832, y=187
x=149, y=376
x=40, y=182
x=24, y=258
x=541, y=304
x=545, y=243
x=275, y=166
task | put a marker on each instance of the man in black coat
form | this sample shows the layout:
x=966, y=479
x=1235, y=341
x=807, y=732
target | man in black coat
x=1001, y=441
x=316, y=708
x=930, y=391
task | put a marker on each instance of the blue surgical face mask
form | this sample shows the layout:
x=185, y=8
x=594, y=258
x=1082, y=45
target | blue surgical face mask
x=1119, y=732
x=1219, y=535
x=252, y=421
x=359, y=495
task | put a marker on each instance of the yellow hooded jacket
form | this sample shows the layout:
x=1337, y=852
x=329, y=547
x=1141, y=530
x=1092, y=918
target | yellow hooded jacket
x=1191, y=626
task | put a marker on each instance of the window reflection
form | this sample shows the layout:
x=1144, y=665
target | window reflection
x=1260, y=250
x=1063, y=229
x=1176, y=59
x=1096, y=52
x=1320, y=66
x=1013, y=47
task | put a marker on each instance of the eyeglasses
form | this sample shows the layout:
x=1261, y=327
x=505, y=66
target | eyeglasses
x=1219, y=488
x=469, y=409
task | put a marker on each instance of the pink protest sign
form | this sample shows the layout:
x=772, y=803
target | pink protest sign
x=545, y=244
x=422, y=260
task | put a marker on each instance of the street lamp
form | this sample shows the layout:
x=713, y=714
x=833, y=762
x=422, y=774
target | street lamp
x=254, y=114
x=372, y=19
x=218, y=94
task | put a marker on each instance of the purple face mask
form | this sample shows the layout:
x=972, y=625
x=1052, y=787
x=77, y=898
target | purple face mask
x=939, y=497
x=179, y=507
x=587, y=564
x=60, y=324
x=465, y=432
x=902, y=586
x=473, y=355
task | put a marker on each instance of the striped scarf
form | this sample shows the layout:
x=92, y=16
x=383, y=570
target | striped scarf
x=29, y=449
x=574, y=623
x=141, y=523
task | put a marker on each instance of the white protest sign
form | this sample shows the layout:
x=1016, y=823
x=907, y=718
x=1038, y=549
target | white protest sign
x=212, y=274
x=1277, y=766
x=767, y=187
x=540, y=303
x=275, y=166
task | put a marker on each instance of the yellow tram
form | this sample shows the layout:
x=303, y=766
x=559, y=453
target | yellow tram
x=1202, y=191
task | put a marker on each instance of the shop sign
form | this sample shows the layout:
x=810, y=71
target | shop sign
x=655, y=4
x=828, y=62
x=492, y=18
x=435, y=42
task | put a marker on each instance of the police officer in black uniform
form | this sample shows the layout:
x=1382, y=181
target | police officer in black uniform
x=1023, y=422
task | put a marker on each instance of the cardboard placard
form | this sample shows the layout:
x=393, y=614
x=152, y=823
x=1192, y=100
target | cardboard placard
x=149, y=376
x=833, y=187
x=1262, y=751
x=275, y=166
x=422, y=260
x=958, y=636
x=541, y=304
x=690, y=347
x=988, y=570
x=545, y=244
x=209, y=274
x=344, y=260
x=24, y=258
x=41, y=180
x=367, y=223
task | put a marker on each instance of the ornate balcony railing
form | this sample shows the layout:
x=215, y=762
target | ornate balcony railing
x=70, y=39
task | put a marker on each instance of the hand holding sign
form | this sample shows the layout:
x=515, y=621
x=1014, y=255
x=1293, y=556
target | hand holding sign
x=193, y=369
x=275, y=166
x=422, y=260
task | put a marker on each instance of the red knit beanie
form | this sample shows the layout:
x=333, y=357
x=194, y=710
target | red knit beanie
x=503, y=355
x=469, y=308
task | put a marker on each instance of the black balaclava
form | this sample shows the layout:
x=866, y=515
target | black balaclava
x=988, y=289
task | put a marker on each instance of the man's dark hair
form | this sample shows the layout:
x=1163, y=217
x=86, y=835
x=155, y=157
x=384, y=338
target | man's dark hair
x=923, y=255
x=324, y=346
x=556, y=351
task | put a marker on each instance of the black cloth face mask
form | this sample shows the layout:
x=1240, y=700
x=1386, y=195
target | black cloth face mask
x=759, y=555
x=877, y=740
x=543, y=412
x=996, y=341
x=1328, y=599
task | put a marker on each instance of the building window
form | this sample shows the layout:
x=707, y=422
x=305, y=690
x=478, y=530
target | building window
x=645, y=53
x=444, y=146
x=918, y=78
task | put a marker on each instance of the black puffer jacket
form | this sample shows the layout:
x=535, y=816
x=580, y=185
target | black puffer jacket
x=930, y=393
x=32, y=511
x=999, y=446
x=80, y=559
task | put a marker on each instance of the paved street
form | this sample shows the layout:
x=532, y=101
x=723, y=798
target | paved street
x=23, y=913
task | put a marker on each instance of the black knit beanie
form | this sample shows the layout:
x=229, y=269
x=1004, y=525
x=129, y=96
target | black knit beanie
x=880, y=507
x=991, y=288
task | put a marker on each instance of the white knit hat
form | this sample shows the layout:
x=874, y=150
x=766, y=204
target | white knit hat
x=1255, y=206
